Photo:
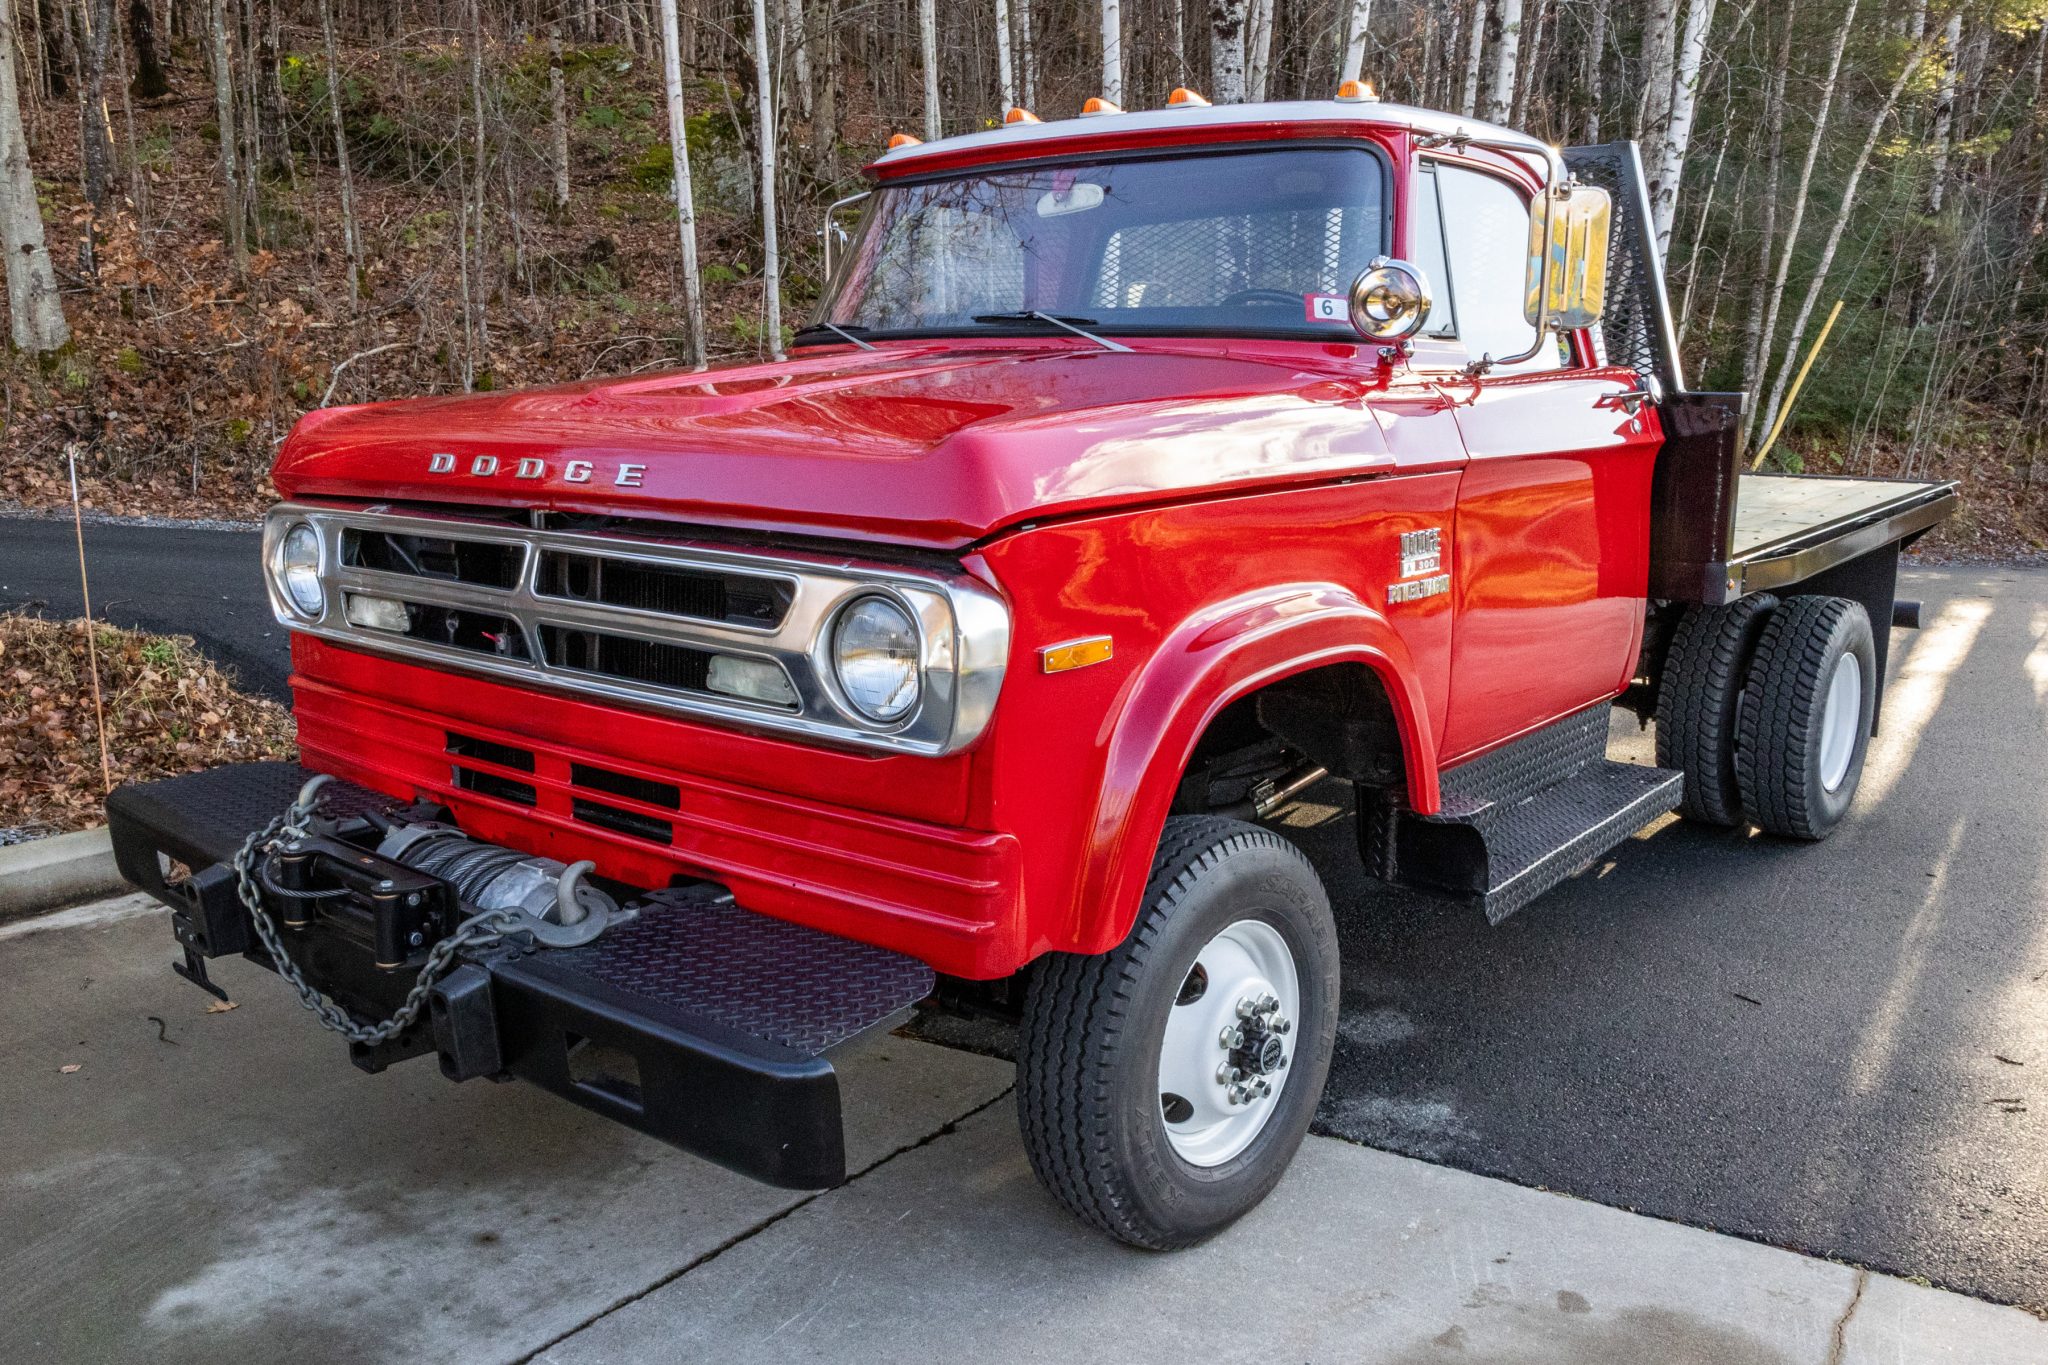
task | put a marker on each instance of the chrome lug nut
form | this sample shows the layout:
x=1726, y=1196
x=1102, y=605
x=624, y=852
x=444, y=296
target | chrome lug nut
x=1232, y=1039
x=1247, y=1007
x=1228, y=1074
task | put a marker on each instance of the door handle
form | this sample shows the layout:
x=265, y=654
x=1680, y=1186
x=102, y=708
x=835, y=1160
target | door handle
x=1648, y=390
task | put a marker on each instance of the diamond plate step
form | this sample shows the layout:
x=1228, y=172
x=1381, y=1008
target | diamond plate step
x=1509, y=854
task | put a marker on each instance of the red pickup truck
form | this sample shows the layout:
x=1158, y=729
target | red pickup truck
x=1138, y=471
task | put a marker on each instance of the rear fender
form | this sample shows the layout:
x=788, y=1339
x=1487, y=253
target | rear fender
x=1221, y=654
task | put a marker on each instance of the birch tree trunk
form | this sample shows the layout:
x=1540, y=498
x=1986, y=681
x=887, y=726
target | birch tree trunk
x=233, y=222
x=1660, y=35
x=928, y=37
x=1258, y=47
x=1468, y=98
x=1834, y=238
x=1226, y=50
x=351, y=233
x=1357, y=29
x=558, y=115
x=35, y=310
x=1801, y=191
x=1006, y=74
x=793, y=23
x=1774, y=163
x=1937, y=180
x=1113, y=51
x=1500, y=95
x=686, y=203
x=1027, y=54
x=1596, y=57
x=1675, y=138
x=771, y=255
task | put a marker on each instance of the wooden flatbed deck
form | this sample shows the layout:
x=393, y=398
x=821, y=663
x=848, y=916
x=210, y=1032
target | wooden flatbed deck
x=1791, y=526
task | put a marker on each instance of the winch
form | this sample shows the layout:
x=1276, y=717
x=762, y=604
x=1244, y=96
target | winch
x=419, y=894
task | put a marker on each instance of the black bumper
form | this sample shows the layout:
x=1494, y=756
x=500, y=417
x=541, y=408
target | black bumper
x=697, y=1022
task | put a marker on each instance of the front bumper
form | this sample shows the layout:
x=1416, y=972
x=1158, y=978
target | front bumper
x=696, y=1022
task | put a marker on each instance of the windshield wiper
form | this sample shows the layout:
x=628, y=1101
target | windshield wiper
x=843, y=333
x=1078, y=326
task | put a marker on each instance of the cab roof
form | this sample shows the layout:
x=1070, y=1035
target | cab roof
x=1186, y=123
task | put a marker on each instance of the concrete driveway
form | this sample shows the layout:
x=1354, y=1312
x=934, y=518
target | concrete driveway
x=222, y=1186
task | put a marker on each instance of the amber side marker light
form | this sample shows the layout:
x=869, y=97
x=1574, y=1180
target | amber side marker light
x=1020, y=114
x=1098, y=105
x=1184, y=98
x=1074, y=654
x=1357, y=92
x=904, y=140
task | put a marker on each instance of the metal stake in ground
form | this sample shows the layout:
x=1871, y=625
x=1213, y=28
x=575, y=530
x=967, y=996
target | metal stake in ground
x=92, y=652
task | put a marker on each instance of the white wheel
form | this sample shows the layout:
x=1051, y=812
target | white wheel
x=1841, y=721
x=1228, y=1042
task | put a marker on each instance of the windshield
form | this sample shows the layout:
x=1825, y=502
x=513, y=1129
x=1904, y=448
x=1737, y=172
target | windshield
x=1219, y=242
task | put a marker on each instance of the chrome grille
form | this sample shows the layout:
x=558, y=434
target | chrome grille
x=639, y=619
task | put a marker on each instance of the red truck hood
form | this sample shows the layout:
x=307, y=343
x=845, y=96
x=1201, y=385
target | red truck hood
x=926, y=445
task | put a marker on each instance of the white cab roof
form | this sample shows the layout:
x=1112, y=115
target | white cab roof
x=1364, y=113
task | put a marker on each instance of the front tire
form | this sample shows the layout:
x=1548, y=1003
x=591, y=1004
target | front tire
x=1806, y=714
x=1235, y=937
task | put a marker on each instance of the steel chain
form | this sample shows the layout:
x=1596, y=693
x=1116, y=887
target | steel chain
x=485, y=927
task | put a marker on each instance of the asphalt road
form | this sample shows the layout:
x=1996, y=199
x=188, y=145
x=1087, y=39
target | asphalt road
x=204, y=583
x=1837, y=1048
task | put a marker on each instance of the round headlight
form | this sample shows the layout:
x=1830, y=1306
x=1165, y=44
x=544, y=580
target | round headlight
x=874, y=654
x=298, y=569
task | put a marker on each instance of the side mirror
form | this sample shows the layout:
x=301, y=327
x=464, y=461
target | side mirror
x=1568, y=233
x=833, y=234
x=1389, y=300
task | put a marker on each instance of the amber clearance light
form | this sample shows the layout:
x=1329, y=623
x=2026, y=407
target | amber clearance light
x=1073, y=654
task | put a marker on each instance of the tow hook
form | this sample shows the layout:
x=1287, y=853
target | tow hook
x=1255, y=1048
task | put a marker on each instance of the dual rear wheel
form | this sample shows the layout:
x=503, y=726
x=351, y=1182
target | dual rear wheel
x=1766, y=707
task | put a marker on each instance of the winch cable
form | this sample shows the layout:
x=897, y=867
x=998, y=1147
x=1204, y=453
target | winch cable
x=481, y=929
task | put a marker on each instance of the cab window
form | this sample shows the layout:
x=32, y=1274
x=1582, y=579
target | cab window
x=1484, y=225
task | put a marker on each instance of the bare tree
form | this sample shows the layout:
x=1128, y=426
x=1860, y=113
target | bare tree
x=1660, y=37
x=1674, y=138
x=679, y=163
x=1226, y=50
x=1800, y=194
x=1006, y=76
x=1834, y=239
x=1357, y=28
x=1468, y=97
x=35, y=310
x=1113, y=51
x=928, y=38
x=558, y=110
x=150, y=81
x=351, y=231
x=1500, y=94
x=771, y=256
x=1937, y=178
x=233, y=217
x=800, y=52
x=1258, y=47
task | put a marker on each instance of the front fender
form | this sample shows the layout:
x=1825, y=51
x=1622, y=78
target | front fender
x=1222, y=653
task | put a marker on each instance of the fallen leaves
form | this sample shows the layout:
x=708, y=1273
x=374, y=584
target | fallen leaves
x=69, y=1068
x=221, y=1007
x=168, y=710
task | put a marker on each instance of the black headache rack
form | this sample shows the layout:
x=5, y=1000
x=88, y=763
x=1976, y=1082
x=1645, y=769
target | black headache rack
x=1718, y=533
x=696, y=1021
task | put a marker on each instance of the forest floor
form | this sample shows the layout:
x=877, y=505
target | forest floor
x=184, y=375
x=167, y=709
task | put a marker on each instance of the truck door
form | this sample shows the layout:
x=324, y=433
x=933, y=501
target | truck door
x=1551, y=545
